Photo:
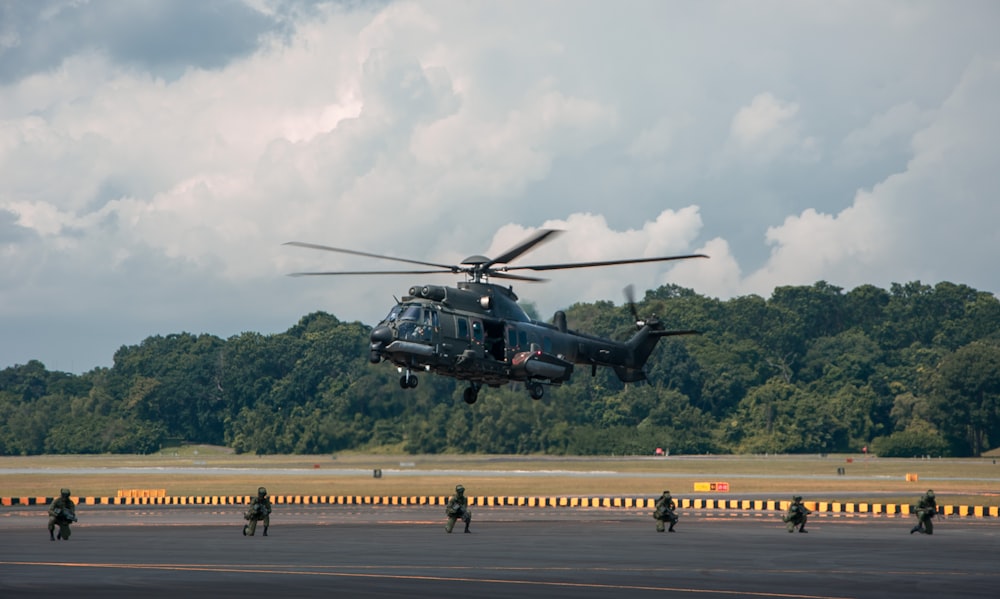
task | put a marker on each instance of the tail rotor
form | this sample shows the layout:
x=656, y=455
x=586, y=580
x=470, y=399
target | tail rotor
x=630, y=300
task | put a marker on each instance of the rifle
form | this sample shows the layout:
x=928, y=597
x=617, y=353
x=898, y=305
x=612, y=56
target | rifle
x=65, y=516
x=256, y=511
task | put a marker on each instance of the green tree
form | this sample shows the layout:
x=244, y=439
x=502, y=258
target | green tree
x=966, y=393
x=918, y=439
x=779, y=417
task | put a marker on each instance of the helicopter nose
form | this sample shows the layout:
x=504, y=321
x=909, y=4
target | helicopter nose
x=381, y=335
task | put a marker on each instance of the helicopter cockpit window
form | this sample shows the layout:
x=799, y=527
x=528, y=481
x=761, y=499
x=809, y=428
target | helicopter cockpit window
x=413, y=312
x=477, y=331
x=463, y=328
x=394, y=313
x=416, y=323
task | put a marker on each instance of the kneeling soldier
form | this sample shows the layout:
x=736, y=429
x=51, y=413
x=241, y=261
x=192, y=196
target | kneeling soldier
x=62, y=512
x=796, y=515
x=458, y=507
x=260, y=509
x=925, y=510
x=664, y=513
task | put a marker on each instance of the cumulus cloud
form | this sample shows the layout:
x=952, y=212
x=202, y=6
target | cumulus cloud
x=768, y=128
x=150, y=176
x=928, y=222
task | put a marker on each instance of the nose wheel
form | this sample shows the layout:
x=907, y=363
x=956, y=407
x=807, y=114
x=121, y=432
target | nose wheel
x=471, y=394
x=536, y=390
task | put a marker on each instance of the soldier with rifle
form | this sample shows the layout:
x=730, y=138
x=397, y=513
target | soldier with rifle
x=797, y=515
x=925, y=510
x=62, y=512
x=458, y=507
x=259, y=510
x=665, y=512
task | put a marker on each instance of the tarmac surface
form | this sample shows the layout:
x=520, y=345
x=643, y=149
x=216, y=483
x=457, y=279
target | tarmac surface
x=375, y=551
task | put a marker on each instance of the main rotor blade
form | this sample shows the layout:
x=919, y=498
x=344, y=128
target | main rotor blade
x=540, y=236
x=315, y=246
x=600, y=263
x=502, y=275
x=372, y=272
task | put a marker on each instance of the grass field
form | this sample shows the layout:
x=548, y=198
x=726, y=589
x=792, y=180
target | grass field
x=201, y=470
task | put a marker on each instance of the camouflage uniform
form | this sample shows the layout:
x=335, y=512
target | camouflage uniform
x=458, y=507
x=797, y=515
x=62, y=511
x=260, y=509
x=664, y=513
x=925, y=511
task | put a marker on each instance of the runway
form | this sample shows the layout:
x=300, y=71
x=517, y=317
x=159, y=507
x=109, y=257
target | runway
x=362, y=551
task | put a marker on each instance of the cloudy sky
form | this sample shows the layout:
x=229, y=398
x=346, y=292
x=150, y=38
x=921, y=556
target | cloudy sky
x=156, y=154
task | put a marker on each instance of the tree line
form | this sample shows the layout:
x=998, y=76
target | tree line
x=912, y=370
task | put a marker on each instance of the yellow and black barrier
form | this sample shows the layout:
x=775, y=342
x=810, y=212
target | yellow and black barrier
x=742, y=505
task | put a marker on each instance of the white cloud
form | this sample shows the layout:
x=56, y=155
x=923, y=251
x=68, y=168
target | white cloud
x=768, y=128
x=719, y=276
x=934, y=221
x=851, y=144
x=765, y=117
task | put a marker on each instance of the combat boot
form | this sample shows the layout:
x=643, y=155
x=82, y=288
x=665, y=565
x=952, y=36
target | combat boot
x=244, y=530
x=265, y=531
x=52, y=536
x=671, y=529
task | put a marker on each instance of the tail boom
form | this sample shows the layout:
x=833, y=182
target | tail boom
x=639, y=348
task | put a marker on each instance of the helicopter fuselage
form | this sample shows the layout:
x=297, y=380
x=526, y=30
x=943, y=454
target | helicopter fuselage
x=478, y=333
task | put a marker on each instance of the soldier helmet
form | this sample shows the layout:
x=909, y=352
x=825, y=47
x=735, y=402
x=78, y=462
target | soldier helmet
x=797, y=498
x=930, y=493
x=262, y=491
x=460, y=489
x=666, y=492
x=64, y=492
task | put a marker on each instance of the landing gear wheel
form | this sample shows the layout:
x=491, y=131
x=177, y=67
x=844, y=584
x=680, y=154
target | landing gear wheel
x=470, y=395
x=408, y=381
x=536, y=390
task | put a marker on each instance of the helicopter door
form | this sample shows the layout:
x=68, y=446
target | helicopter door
x=494, y=343
x=455, y=333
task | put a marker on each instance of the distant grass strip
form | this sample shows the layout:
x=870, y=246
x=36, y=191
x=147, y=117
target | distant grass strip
x=215, y=471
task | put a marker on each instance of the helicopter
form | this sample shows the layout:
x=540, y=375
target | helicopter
x=476, y=332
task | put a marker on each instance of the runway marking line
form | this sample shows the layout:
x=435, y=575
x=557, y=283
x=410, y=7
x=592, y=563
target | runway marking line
x=318, y=569
x=545, y=583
